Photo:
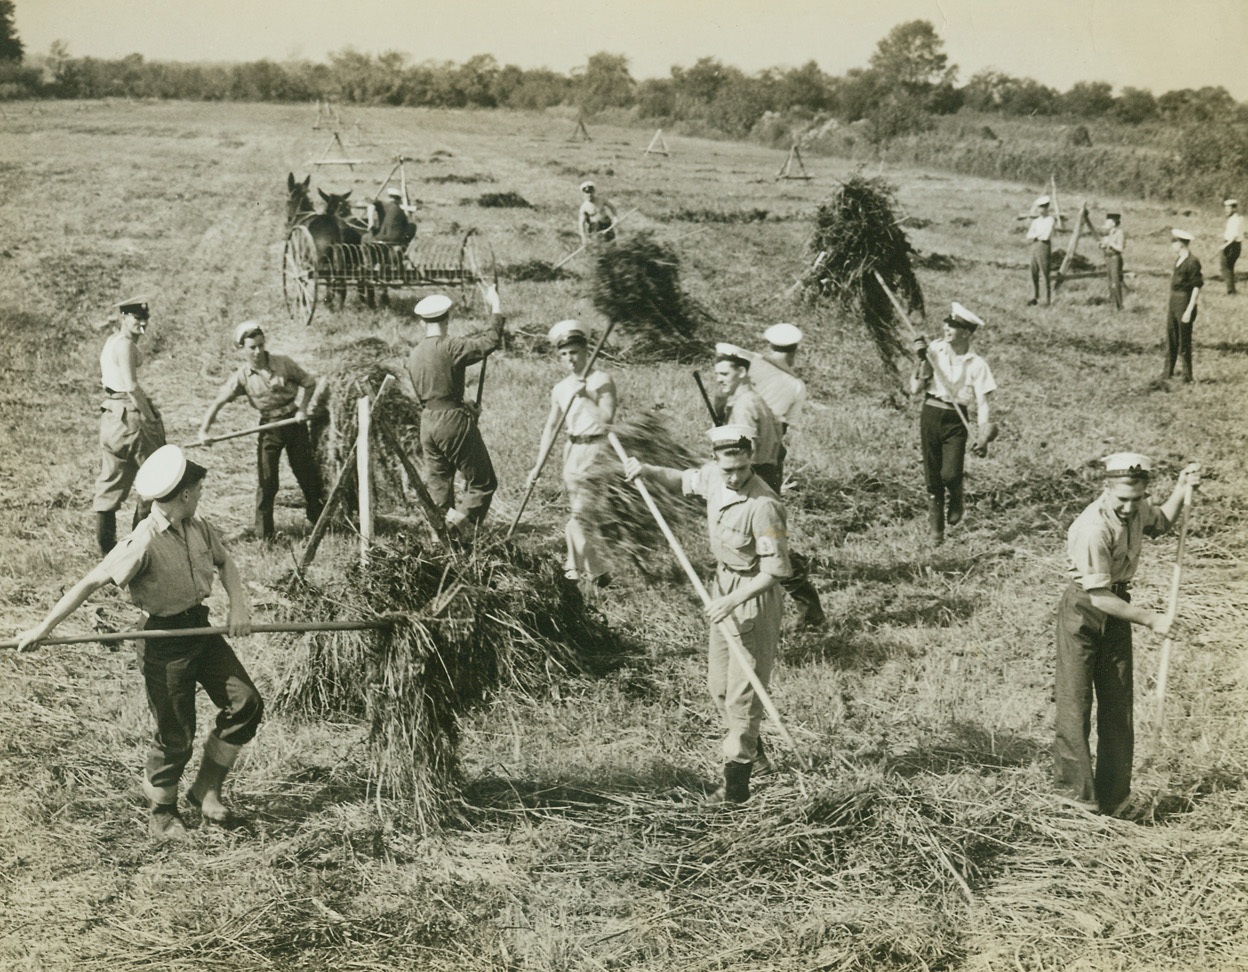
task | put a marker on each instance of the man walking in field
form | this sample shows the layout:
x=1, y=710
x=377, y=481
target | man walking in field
x=597, y=216
x=449, y=437
x=130, y=426
x=1114, y=242
x=951, y=376
x=1186, y=281
x=167, y=565
x=278, y=389
x=1040, y=236
x=590, y=405
x=1094, y=618
x=1232, y=242
x=749, y=539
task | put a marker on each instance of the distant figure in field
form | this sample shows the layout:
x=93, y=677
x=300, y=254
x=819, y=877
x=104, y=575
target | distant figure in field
x=1113, y=242
x=388, y=221
x=1233, y=242
x=1094, y=618
x=131, y=428
x=597, y=217
x=1040, y=236
x=1185, y=284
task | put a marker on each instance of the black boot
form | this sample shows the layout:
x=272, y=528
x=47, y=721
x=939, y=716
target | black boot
x=106, y=531
x=799, y=587
x=956, y=508
x=737, y=782
x=936, y=519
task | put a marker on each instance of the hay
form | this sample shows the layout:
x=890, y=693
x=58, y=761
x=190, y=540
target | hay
x=636, y=283
x=499, y=620
x=499, y=200
x=537, y=271
x=625, y=523
x=719, y=215
x=857, y=234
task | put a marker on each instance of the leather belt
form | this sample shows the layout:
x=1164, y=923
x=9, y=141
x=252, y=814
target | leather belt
x=194, y=613
x=278, y=414
x=941, y=403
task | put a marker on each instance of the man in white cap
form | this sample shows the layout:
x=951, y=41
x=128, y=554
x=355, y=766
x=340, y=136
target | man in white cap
x=1186, y=281
x=951, y=376
x=279, y=389
x=590, y=405
x=131, y=428
x=449, y=437
x=1040, y=236
x=1232, y=242
x=388, y=220
x=738, y=373
x=1113, y=243
x=749, y=540
x=597, y=216
x=1094, y=618
x=167, y=563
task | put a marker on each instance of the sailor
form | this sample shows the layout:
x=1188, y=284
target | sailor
x=1186, y=281
x=1114, y=242
x=1040, y=236
x=1232, y=242
x=597, y=217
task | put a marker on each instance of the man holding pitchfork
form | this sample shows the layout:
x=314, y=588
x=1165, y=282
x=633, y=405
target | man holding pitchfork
x=1094, y=619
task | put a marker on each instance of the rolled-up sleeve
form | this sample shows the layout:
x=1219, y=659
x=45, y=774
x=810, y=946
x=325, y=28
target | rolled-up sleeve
x=1090, y=558
x=771, y=538
x=693, y=482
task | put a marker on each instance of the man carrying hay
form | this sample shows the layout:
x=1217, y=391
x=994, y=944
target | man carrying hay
x=950, y=376
x=1094, y=619
x=1040, y=236
x=597, y=216
x=278, y=389
x=167, y=564
x=449, y=437
x=749, y=540
x=130, y=426
x=590, y=404
x=744, y=404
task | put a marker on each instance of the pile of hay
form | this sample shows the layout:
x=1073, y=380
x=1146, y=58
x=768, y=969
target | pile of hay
x=537, y=271
x=625, y=523
x=636, y=284
x=857, y=234
x=500, y=200
x=471, y=626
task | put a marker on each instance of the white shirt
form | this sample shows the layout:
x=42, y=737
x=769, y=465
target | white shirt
x=783, y=391
x=1041, y=228
x=1234, y=232
x=968, y=373
x=584, y=418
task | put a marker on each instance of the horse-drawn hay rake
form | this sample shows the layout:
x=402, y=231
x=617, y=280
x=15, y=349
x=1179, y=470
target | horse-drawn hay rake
x=311, y=275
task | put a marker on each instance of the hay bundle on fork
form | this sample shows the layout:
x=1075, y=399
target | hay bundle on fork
x=468, y=628
x=858, y=234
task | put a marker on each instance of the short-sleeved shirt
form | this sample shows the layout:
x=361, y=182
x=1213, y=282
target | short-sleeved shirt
x=584, y=418
x=968, y=373
x=1234, y=232
x=747, y=408
x=1115, y=240
x=167, y=569
x=783, y=391
x=1102, y=550
x=115, y=350
x=1041, y=228
x=1187, y=276
x=746, y=528
x=436, y=365
x=268, y=389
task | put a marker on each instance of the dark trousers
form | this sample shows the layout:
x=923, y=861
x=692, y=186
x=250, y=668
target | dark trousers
x=172, y=667
x=450, y=441
x=1113, y=270
x=1041, y=251
x=295, y=441
x=1230, y=254
x=1093, y=658
x=1178, y=335
x=798, y=584
x=942, y=440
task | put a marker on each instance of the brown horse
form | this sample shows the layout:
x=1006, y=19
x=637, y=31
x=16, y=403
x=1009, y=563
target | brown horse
x=326, y=229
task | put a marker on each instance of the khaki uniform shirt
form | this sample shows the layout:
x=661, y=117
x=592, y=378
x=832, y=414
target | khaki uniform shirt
x=747, y=408
x=271, y=389
x=167, y=569
x=747, y=529
x=436, y=365
x=584, y=418
x=1103, y=550
x=783, y=391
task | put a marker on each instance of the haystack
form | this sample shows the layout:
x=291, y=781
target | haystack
x=858, y=234
x=467, y=628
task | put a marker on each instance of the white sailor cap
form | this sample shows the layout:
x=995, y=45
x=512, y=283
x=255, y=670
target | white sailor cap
x=1183, y=235
x=959, y=316
x=733, y=353
x=731, y=437
x=394, y=191
x=1127, y=464
x=166, y=471
x=566, y=332
x=587, y=185
x=783, y=335
x=1042, y=200
x=433, y=307
x=245, y=330
x=1233, y=203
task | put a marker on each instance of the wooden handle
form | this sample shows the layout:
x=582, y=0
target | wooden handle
x=241, y=432
x=297, y=626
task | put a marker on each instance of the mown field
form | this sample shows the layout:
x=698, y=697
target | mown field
x=923, y=834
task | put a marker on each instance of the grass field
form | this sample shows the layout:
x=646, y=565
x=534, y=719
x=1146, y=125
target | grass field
x=923, y=836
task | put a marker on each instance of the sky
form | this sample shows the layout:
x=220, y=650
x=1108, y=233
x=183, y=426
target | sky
x=1160, y=45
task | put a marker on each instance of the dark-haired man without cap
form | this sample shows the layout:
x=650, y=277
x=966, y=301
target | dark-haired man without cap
x=279, y=389
x=167, y=565
x=750, y=543
x=1094, y=618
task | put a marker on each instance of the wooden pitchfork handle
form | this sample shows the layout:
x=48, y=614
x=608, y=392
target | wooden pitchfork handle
x=281, y=423
x=727, y=627
x=1172, y=610
x=108, y=636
